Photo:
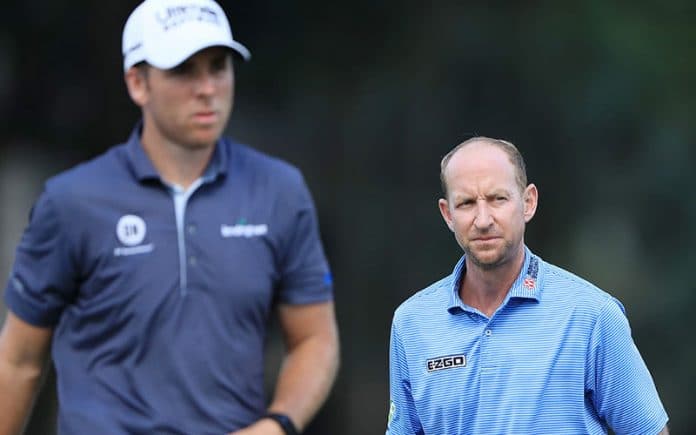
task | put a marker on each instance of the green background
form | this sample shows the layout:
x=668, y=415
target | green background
x=366, y=97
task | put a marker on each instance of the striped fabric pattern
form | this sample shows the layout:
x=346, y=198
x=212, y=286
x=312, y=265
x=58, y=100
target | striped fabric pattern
x=557, y=357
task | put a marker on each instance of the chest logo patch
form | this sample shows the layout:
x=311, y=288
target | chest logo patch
x=446, y=362
x=243, y=230
x=131, y=230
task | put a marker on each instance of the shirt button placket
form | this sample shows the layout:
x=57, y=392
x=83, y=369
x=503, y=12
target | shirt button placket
x=191, y=230
x=192, y=260
x=486, y=333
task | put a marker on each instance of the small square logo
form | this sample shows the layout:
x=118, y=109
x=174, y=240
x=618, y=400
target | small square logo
x=529, y=283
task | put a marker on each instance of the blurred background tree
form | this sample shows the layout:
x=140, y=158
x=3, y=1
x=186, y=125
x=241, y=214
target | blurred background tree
x=366, y=97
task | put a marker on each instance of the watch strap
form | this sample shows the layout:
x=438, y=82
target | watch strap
x=284, y=422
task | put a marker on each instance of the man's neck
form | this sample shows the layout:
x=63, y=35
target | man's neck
x=485, y=289
x=176, y=164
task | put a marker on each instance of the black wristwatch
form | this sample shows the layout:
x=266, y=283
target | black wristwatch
x=284, y=422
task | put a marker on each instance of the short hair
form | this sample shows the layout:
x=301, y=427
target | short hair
x=511, y=150
x=142, y=66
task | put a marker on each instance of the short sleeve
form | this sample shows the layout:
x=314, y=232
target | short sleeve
x=42, y=281
x=403, y=418
x=305, y=273
x=622, y=389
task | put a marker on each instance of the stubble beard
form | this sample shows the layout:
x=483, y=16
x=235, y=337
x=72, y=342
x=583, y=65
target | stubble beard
x=198, y=143
x=498, y=260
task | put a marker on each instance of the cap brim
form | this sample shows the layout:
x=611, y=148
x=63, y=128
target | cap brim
x=157, y=59
x=241, y=50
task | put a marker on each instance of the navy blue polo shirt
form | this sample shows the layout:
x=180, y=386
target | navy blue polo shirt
x=159, y=298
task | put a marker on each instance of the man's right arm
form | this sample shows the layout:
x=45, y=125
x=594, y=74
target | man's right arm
x=23, y=353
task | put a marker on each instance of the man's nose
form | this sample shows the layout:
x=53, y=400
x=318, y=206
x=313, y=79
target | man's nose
x=483, y=218
x=205, y=83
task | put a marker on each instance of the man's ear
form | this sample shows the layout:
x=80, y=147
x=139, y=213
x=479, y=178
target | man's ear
x=136, y=82
x=445, y=212
x=531, y=199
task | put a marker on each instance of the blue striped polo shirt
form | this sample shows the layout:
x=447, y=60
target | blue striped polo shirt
x=556, y=357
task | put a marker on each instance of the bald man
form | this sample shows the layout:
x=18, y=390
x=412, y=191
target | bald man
x=508, y=343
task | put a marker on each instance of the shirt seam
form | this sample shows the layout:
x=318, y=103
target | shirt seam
x=589, y=344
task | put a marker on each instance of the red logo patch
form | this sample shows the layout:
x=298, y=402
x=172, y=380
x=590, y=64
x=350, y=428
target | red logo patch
x=529, y=283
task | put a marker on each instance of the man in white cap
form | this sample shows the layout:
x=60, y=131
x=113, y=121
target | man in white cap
x=151, y=271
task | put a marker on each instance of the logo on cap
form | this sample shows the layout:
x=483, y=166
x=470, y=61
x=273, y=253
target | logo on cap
x=174, y=16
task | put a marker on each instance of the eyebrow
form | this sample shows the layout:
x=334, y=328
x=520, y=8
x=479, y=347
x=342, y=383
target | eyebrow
x=494, y=192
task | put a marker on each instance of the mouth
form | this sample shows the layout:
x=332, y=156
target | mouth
x=205, y=117
x=485, y=239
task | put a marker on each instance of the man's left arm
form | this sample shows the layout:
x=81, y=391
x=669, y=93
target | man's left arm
x=621, y=386
x=309, y=367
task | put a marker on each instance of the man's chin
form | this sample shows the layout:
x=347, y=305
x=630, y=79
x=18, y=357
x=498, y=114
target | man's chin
x=205, y=131
x=491, y=265
x=205, y=139
x=194, y=145
x=486, y=260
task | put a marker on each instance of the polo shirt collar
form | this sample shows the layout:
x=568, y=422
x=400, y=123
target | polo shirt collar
x=526, y=286
x=144, y=169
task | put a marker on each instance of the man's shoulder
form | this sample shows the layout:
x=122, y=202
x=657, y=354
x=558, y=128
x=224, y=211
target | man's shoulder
x=572, y=288
x=258, y=161
x=104, y=172
x=432, y=297
x=96, y=170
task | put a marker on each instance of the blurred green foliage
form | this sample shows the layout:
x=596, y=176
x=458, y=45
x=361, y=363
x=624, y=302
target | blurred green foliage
x=366, y=97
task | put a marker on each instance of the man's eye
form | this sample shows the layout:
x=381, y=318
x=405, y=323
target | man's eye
x=220, y=65
x=183, y=69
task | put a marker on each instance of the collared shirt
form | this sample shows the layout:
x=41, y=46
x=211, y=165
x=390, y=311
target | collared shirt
x=556, y=357
x=160, y=297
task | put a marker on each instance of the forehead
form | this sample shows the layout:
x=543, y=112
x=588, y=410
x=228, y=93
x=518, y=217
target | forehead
x=480, y=162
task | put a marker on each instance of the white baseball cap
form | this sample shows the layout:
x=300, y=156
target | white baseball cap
x=165, y=33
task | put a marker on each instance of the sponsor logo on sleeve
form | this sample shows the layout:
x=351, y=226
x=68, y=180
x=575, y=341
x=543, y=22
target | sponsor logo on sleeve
x=392, y=410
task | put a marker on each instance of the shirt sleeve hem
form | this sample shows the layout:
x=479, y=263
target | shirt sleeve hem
x=23, y=309
x=654, y=430
x=297, y=296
